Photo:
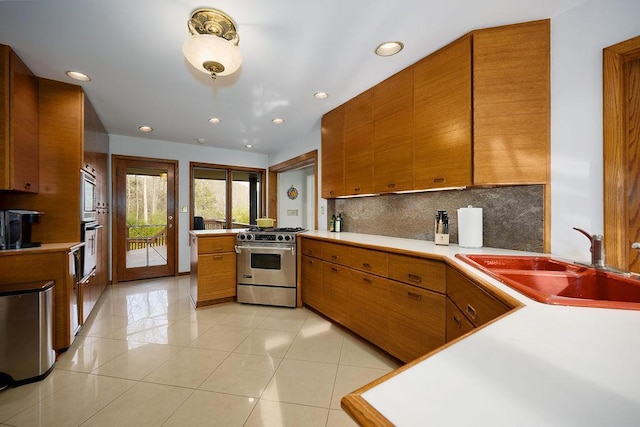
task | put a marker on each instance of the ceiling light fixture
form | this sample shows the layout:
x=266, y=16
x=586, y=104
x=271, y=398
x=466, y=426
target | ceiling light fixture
x=389, y=48
x=77, y=75
x=212, y=46
x=277, y=121
x=249, y=146
x=145, y=128
x=214, y=120
x=321, y=95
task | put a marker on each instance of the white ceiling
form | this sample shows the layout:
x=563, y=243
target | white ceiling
x=292, y=48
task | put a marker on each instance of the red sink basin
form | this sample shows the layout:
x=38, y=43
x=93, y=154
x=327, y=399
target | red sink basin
x=554, y=281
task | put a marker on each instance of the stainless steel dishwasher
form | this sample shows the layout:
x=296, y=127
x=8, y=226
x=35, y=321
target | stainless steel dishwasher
x=26, y=333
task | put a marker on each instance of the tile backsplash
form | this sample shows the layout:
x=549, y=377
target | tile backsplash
x=513, y=217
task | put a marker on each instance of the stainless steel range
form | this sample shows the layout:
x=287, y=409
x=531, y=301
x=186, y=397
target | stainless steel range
x=267, y=266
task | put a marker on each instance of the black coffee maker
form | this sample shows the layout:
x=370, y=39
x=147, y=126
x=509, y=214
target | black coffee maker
x=15, y=228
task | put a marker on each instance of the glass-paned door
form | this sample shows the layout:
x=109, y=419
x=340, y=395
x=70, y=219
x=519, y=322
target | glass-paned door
x=245, y=197
x=145, y=236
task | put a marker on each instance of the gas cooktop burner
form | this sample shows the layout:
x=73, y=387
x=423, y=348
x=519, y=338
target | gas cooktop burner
x=269, y=235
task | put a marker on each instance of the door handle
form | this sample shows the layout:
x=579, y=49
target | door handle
x=635, y=245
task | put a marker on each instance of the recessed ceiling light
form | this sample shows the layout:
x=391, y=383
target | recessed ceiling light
x=277, y=121
x=389, y=48
x=77, y=75
x=321, y=95
x=214, y=120
x=145, y=128
x=200, y=140
x=249, y=146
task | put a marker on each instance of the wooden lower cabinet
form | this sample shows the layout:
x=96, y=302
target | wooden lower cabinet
x=369, y=307
x=336, y=295
x=213, y=269
x=457, y=324
x=416, y=321
x=312, y=278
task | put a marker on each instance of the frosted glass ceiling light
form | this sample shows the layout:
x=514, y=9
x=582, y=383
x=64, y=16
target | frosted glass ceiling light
x=212, y=46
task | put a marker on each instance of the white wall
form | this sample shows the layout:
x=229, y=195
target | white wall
x=577, y=39
x=299, y=180
x=184, y=153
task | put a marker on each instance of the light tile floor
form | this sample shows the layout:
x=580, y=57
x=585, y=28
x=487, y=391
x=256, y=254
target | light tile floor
x=147, y=358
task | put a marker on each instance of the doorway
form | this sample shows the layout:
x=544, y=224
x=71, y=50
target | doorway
x=145, y=221
x=621, y=108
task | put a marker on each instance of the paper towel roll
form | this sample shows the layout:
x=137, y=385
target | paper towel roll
x=470, y=227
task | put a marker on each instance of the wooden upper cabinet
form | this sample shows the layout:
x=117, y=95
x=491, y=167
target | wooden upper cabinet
x=442, y=108
x=393, y=133
x=358, y=144
x=19, y=124
x=511, y=106
x=333, y=153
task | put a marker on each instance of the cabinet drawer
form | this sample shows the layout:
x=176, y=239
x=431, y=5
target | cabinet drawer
x=334, y=252
x=211, y=245
x=424, y=273
x=457, y=324
x=477, y=305
x=368, y=260
x=312, y=248
x=416, y=321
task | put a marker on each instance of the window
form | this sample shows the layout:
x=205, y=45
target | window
x=226, y=197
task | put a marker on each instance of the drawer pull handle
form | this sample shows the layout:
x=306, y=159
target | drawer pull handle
x=216, y=249
x=334, y=257
x=414, y=295
x=366, y=265
x=439, y=180
x=27, y=185
x=217, y=256
x=391, y=185
x=457, y=320
x=472, y=312
x=414, y=278
x=356, y=189
x=310, y=261
x=335, y=270
x=366, y=279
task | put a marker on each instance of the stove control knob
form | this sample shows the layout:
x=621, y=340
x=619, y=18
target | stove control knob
x=287, y=237
x=241, y=236
x=280, y=237
x=249, y=236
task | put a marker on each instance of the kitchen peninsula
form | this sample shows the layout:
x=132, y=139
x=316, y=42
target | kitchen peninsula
x=537, y=365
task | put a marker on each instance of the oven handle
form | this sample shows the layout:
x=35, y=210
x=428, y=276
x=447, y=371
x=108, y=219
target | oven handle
x=239, y=248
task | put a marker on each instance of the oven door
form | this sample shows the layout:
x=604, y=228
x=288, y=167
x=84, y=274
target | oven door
x=272, y=265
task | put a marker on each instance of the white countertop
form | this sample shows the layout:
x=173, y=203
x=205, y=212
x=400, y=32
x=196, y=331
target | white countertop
x=542, y=365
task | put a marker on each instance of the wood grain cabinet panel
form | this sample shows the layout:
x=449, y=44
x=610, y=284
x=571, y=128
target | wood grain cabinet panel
x=457, y=324
x=312, y=248
x=393, y=133
x=358, y=144
x=511, y=104
x=335, y=291
x=311, y=286
x=416, y=321
x=332, y=153
x=442, y=108
x=423, y=273
x=476, y=304
x=213, y=269
x=369, y=301
x=19, y=125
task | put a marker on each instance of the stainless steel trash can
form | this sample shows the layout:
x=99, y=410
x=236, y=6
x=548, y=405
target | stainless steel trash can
x=26, y=333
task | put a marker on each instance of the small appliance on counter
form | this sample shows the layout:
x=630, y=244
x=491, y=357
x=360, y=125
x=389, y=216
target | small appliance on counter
x=15, y=228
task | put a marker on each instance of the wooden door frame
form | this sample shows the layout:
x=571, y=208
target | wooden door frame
x=114, y=215
x=307, y=159
x=615, y=150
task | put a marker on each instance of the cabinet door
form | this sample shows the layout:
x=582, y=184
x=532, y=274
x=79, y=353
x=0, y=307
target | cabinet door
x=333, y=153
x=416, y=321
x=442, y=108
x=423, y=273
x=312, y=282
x=19, y=123
x=216, y=276
x=393, y=133
x=358, y=144
x=335, y=291
x=477, y=305
x=511, y=106
x=457, y=324
x=369, y=302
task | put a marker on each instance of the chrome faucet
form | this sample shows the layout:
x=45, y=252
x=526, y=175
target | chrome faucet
x=597, y=248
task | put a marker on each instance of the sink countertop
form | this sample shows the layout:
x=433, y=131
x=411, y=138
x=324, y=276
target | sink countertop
x=542, y=364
